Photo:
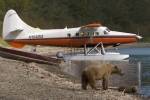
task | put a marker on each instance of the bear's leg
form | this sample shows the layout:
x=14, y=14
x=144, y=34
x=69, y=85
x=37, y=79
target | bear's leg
x=92, y=83
x=105, y=83
x=84, y=81
x=84, y=84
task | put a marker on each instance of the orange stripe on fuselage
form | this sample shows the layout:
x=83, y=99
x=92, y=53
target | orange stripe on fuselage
x=77, y=42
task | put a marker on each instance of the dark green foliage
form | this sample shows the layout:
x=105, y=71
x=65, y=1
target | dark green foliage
x=120, y=15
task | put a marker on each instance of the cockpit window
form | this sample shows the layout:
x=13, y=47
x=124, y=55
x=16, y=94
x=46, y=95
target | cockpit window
x=107, y=29
x=105, y=32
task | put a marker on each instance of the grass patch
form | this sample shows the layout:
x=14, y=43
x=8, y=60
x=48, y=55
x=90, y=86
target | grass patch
x=3, y=43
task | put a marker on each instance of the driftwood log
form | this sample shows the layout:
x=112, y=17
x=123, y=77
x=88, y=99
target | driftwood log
x=125, y=89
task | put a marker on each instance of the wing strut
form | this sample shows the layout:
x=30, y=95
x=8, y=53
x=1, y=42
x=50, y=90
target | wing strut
x=85, y=51
x=95, y=50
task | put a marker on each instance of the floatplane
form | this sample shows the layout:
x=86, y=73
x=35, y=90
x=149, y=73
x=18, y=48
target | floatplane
x=17, y=33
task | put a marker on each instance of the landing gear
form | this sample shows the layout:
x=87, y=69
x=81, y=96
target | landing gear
x=96, y=53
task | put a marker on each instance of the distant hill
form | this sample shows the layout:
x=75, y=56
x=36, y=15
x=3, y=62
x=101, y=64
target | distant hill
x=120, y=15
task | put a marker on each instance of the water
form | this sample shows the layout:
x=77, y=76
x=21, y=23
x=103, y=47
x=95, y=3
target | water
x=137, y=69
x=141, y=55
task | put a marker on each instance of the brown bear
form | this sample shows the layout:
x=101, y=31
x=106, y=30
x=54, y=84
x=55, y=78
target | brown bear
x=102, y=72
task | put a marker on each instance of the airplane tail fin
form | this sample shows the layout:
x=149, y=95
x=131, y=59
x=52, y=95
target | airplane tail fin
x=13, y=26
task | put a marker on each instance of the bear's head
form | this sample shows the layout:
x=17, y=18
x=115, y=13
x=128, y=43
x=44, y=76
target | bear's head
x=116, y=70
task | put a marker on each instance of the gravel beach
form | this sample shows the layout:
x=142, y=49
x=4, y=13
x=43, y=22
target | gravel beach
x=32, y=81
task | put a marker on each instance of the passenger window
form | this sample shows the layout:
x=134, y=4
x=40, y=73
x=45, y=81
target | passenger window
x=97, y=33
x=88, y=34
x=77, y=34
x=69, y=35
x=82, y=34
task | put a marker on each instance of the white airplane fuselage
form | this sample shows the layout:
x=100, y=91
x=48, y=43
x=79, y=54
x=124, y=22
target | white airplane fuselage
x=18, y=33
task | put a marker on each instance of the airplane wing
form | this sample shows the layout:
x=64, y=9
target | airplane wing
x=93, y=25
x=89, y=29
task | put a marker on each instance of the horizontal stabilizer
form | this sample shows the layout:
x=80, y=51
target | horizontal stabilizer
x=16, y=45
x=17, y=31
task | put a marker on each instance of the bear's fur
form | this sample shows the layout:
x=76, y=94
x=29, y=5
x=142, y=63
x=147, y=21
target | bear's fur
x=102, y=72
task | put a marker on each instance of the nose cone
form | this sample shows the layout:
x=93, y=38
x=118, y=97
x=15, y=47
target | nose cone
x=139, y=37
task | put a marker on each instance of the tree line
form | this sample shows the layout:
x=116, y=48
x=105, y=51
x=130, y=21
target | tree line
x=121, y=15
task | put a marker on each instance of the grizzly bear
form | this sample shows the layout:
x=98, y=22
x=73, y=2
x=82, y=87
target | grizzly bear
x=102, y=72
